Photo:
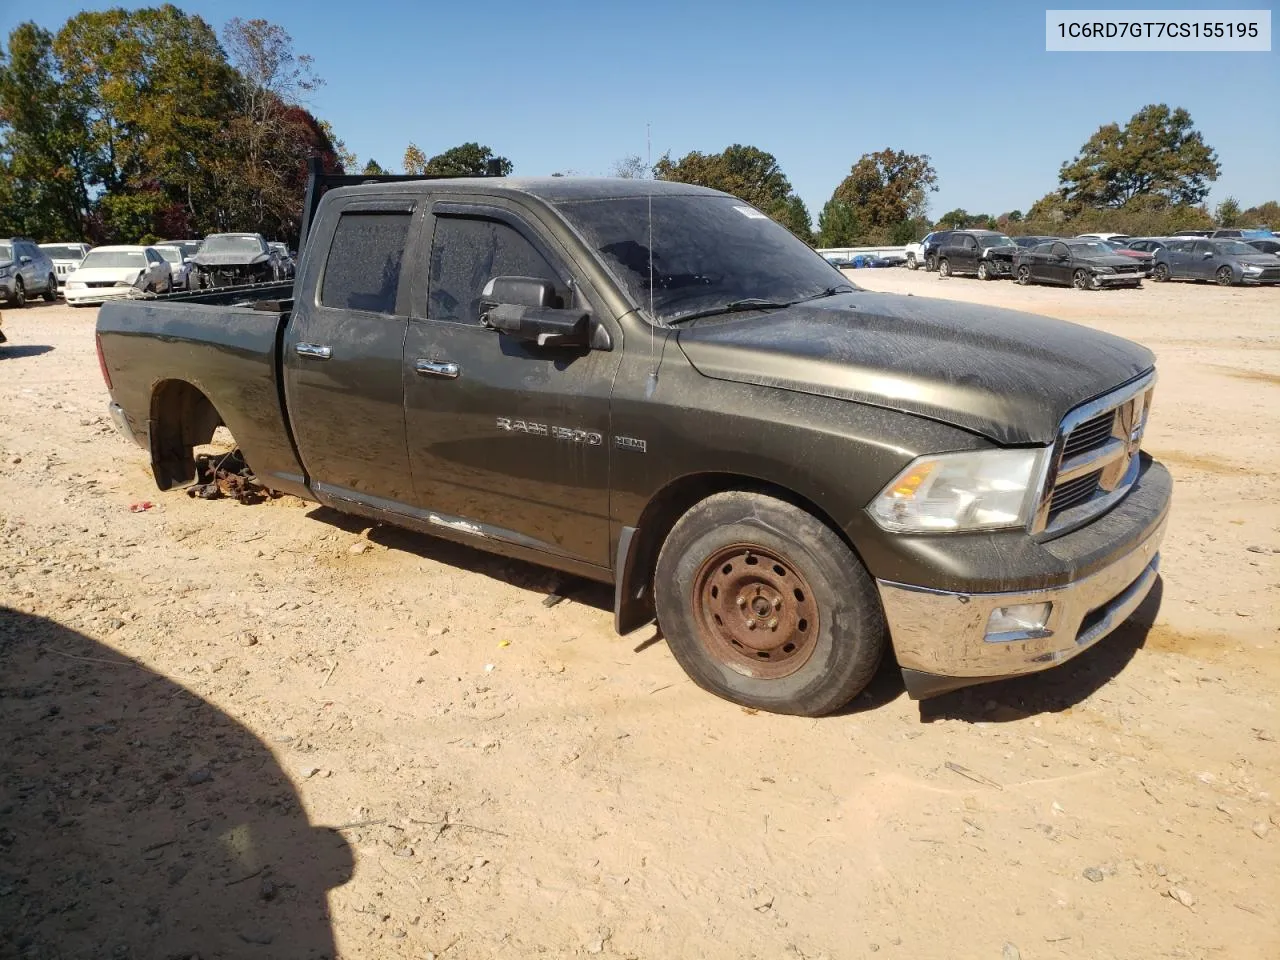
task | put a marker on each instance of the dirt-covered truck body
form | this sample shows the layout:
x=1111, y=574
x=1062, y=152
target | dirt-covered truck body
x=654, y=385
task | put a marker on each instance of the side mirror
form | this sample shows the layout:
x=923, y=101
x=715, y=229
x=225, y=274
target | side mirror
x=545, y=326
x=24, y=259
x=520, y=292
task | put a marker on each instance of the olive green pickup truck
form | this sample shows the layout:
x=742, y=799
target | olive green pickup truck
x=656, y=386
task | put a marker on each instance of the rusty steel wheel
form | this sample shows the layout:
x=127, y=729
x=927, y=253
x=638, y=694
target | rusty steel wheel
x=765, y=605
x=756, y=614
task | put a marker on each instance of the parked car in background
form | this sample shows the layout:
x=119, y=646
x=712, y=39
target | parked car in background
x=229, y=259
x=66, y=257
x=1028, y=242
x=1083, y=264
x=109, y=273
x=929, y=247
x=915, y=253
x=288, y=266
x=1265, y=246
x=1118, y=237
x=1258, y=233
x=1148, y=244
x=1193, y=233
x=189, y=248
x=179, y=265
x=982, y=253
x=1145, y=258
x=25, y=270
x=1226, y=262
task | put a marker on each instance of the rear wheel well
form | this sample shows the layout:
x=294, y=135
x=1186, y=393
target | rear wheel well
x=634, y=590
x=182, y=418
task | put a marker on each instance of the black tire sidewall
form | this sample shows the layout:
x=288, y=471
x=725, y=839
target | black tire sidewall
x=944, y=267
x=852, y=634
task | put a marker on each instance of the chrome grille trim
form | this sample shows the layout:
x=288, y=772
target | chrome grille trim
x=1110, y=456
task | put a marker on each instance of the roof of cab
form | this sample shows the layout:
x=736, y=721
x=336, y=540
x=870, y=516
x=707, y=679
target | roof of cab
x=549, y=189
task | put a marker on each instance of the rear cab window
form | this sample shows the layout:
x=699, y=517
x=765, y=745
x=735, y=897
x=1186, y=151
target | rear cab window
x=362, y=270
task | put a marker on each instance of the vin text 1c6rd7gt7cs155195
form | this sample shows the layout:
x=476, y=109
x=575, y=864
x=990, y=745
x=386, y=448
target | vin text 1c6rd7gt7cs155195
x=792, y=475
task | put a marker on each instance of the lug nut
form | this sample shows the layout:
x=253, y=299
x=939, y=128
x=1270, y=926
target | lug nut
x=751, y=624
x=777, y=603
x=742, y=601
x=773, y=624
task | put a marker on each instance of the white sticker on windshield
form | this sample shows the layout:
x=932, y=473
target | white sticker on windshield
x=751, y=212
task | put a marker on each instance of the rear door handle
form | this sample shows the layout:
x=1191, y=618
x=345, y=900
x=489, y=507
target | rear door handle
x=313, y=351
x=436, y=368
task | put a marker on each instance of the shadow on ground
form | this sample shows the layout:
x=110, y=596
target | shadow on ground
x=526, y=576
x=1056, y=689
x=16, y=351
x=138, y=821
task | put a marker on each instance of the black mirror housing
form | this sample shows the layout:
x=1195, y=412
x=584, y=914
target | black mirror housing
x=544, y=326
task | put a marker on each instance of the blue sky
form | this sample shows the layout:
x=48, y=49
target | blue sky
x=556, y=85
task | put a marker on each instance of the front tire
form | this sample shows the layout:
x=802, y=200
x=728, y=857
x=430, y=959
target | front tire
x=1024, y=275
x=51, y=289
x=1224, y=276
x=19, y=293
x=930, y=263
x=984, y=272
x=764, y=605
x=1160, y=273
x=911, y=262
x=944, y=268
x=1082, y=281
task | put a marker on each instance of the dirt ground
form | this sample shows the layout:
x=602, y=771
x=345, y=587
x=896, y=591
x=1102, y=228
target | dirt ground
x=266, y=730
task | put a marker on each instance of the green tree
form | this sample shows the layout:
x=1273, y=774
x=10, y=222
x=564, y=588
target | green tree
x=747, y=173
x=415, y=161
x=47, y=160
x=838, y=225
x=467, y=159
x=1158, y=152
x=886, y=189
x=373, y=168
x=1263, y=215
x=1227, y=213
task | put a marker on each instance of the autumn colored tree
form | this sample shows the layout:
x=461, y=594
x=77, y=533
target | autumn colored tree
x=887, y=189
x=748, y=173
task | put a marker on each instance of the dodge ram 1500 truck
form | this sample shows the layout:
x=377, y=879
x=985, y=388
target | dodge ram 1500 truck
x=656, y=386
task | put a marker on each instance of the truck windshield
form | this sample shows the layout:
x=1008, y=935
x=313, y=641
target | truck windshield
x=707, y=252
x=246, y=245
x=114, y=258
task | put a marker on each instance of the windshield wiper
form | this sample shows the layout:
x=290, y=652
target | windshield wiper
x=828, y=292
x=733, y=306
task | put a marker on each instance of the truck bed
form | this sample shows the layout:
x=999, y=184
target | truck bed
x=199, y=360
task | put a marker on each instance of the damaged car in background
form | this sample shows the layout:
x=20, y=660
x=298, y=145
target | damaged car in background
x=1083, y=264
x=984, y=254
x=231, y=259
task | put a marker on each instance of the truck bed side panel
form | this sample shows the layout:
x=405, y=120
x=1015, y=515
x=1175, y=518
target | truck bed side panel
x=230, y=354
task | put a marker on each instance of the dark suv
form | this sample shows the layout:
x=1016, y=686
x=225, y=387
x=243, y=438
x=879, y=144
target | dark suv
x=982, y=253
x=25, y=270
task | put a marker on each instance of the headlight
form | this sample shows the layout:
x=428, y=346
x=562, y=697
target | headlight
x=1104, y=269
x=1252, y=268
x=75, y=284
x=977, y=490
x=4, y=273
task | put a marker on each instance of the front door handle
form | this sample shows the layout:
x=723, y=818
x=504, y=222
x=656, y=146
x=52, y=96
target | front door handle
x=436, y=368
x=313, y=351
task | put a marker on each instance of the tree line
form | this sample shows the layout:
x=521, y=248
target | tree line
x=128, y=125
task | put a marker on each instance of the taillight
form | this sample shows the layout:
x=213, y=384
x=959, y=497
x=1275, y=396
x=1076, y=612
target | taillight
x=102, y=361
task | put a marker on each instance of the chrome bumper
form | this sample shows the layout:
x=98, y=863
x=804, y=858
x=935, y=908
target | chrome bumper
x=944, y=635
x=122, y=423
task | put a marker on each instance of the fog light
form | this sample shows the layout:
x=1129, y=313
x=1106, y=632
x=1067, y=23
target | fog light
x=1021, y=621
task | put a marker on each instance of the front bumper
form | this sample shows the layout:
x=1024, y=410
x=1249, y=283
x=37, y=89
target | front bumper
x=940, y=637
x=1119, y=279
x=97, y=294
x=7, y=288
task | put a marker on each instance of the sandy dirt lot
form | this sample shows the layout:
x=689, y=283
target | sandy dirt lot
x=269, y=731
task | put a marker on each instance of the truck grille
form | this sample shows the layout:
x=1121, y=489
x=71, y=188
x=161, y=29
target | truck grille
x=1095, y=461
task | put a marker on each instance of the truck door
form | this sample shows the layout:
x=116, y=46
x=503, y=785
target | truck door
x=503, y=433
x=343, y=354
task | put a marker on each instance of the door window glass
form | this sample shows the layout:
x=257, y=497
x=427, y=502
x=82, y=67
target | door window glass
x=468, y=252
x=363, y=268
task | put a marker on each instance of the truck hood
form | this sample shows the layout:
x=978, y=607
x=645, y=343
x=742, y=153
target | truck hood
x=228, y=259
x=1007, y=375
